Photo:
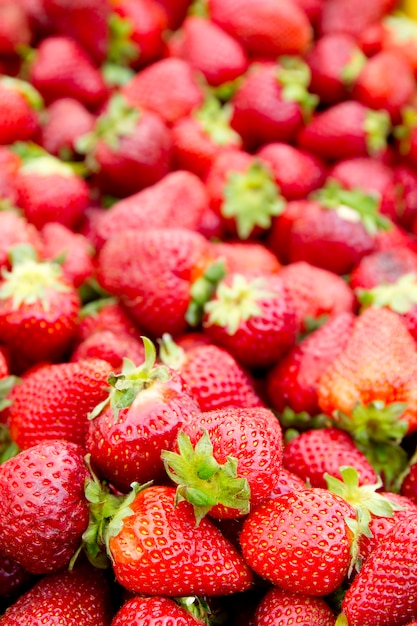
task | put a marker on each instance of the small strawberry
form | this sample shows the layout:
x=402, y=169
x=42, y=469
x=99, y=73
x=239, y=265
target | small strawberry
x=70, y=598
x=143, y=411
x=43, y=508
x=20, y=106
x=150, y=610
x=63, y=122
x=246, y=256
x=287, y=482
x=16, y=230
x=253, y=317
x=282, y=607
x=54, y=400
x=105, y=314
x=109, y=346
x=265, y=29
x=15, y=28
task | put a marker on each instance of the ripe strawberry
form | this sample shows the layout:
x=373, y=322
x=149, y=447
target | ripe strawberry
x=246, y=256
x=16, y=230
x=20, y=104
x=287, y=482
x=352, y=16
x=62, y=68
x=383, y=267
x=293, y=381
x=265, y=29
x=144, y=409
x=53, y=401
x=70, y=598
x=156, y=549
x=391, y=574
x=241, y=449
x=296, y=172
x=272, y=102
x=168, y=87
x=405, y=195
x=334, y=61
x=128, y=149
x=38, y=311
x=64, y=121
x=200, y=365
x=209, y=49
x=151, y=610
x=43, y=508
x=300, y=541
x=253, y=317
x=346, y=129
x=14, y=579
x=105, y=314
x=15, y=28
x=176, y=11
x=282, y=607
x=108, y=346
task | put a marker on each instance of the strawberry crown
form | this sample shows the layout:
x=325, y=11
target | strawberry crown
x=121, y=50
x=353, y=68
x=377, y=127
x=404, y=131
x=202, y=290
x=400, y=296
x=294, y=76
x=170, y=353
x=215, y=121
x=36, y=160
x=26, y=89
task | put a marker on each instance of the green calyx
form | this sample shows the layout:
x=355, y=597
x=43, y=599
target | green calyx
x=294, y=76
x=202, y=290
x=302, y=421
x=215, y=121
x=36, y=160
x=6, y=385
x=170, y=353
x=353, y=68
x=198, y=608
x=353, y=205
x=236, y=303
x=251, y=198
x=8, y=447
x=125, y=387
x=377, y=127
x=203, y=481
x=404, y=131
x=31, y=95
x=122, y=50
x=29, y=280
x=400, y=296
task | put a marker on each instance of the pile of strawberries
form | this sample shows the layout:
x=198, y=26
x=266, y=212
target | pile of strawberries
x=208, y=313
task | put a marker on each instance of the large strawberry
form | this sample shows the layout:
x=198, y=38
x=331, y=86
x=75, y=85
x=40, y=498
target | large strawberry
x=284, y=607
x=151, y=610
x=43, y=508
x=53, y=401
x=20, y=104
x=146, y=406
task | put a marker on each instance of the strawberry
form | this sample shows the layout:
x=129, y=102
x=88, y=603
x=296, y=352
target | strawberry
x=168, y=87
x=296, y=172
x=43, y=508
x=105, y=314
x=383, y=267
x=246, y=256
x=209, y=49
x=15, y=28
x=176, y=11
x=315, y=453
x=405, y=188
x=14, y=579
x=391, y=574
x=282, y=607
x=352, y=16
x=200, y=365
x=150, y=610
x=287, y=482
x=20, y=104
x=252, y=316
x=243, y=449
x=70, y=598
x=398, y=33
x=156, y=549
x=111, y=347
x=62, y=68
x=63, y=122
x=293, y=381
x=16, y=230
x=143, y=411
x=128, y=149
x=334, y=60
x=38, y=311
x=281, y=111
x=346, y=129
x=265, y=29
x=300, y=541
x=53, y=401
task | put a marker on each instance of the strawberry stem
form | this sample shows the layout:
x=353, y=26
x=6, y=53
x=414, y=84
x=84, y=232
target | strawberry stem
x=400, y=296
x=202, y=290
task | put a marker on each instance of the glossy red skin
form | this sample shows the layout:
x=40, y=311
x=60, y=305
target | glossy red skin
x=246, y=256
x=153, y=611
x=43, y=508
x=60, y=241
x=352, y=17
x=53, y=402
x=308, y=552
x=15, y=230
x=109, y=315
x=13, y=578
x=390, y=571
x=259, y=461
x=66, y=120
x=280, y=607
x=315, y=452
x=110, y=347
x=287, y=482
x=128, y=449
x=383, y=267
x=160, y=551
x=82, y=596
x=18, y=120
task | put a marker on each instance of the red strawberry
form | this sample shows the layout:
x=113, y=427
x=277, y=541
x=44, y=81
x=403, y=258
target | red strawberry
x=111, y=347
x=383, y=267
x=64, y=121
x=54, y=401
x=105, y=314
x=408, y=486
x=168, y=87
x=16, y=230
x=346, y=129
x=246, y=256
x=38, y=311
x=296, y=172
x=352, y=16
x=293, y=381
x=128, y=149
x=14, y=579
x=70, y=598
x=144, y=409
x=209, y=49
x=265, y=29
x=20, y=104
x=150, y=610
x=272, y=102
x=43, y=508
x=62, y=68
x=405, y=189
x=280, y=607
x=200, y=365
x=287, y=482
x=243, y=449
x=300, y=541
x=253, y=317
x=15, y=28
x=176, y=11
x=157, y=549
